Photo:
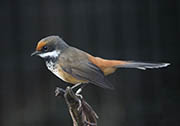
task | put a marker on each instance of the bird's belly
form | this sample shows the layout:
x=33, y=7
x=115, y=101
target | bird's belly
x=57, y=70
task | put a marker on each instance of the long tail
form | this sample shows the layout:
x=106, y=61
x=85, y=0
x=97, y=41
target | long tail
x=110, y=66
x=142, y=65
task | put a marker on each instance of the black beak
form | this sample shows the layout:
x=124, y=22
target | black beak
x=35, y=53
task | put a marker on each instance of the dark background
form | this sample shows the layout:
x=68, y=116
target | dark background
x=142, y=30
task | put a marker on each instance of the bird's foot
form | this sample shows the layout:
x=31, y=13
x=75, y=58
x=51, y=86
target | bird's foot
x=80, y=96
x=79, y=91
x=59, y=91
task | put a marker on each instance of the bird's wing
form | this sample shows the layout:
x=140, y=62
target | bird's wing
x=90, y=73
x=81, y=68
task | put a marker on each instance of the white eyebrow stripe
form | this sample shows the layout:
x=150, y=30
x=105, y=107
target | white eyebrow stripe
x=54, y=54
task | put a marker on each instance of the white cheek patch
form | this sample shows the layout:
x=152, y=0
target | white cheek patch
x=54, y=54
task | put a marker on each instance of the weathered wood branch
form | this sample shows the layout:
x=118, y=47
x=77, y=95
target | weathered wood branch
x=81, y=112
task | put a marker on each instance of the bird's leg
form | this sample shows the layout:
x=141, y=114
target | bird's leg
x=80, y=89
x=76, y=85
x=78, y=93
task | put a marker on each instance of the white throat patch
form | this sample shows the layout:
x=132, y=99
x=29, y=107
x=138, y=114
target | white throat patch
x=54, y=54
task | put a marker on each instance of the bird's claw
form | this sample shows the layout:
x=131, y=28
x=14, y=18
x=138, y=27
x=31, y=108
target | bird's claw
x=59, y=91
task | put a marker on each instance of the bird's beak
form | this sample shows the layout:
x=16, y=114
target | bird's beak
x=35, y=53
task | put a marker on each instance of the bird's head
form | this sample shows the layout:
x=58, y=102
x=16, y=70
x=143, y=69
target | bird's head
x=50, y=47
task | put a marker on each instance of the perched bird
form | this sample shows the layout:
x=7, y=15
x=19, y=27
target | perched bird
x=77, y=67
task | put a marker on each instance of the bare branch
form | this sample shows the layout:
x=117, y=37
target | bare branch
x=81, y=112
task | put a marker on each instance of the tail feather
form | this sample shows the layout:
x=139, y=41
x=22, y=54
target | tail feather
x=110, y=66
x=142, y=65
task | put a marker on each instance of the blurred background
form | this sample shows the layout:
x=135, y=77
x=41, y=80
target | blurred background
x=141, y=30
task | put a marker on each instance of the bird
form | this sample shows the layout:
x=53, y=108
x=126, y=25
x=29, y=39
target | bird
x=78, y=67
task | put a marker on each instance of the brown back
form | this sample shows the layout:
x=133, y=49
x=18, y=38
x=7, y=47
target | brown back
x=107, y=66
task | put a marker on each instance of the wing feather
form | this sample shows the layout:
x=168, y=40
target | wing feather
x=78, y=65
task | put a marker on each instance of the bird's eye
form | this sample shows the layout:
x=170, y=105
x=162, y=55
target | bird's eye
x=45, y=48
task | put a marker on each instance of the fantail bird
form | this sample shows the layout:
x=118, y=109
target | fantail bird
x=76, y=66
